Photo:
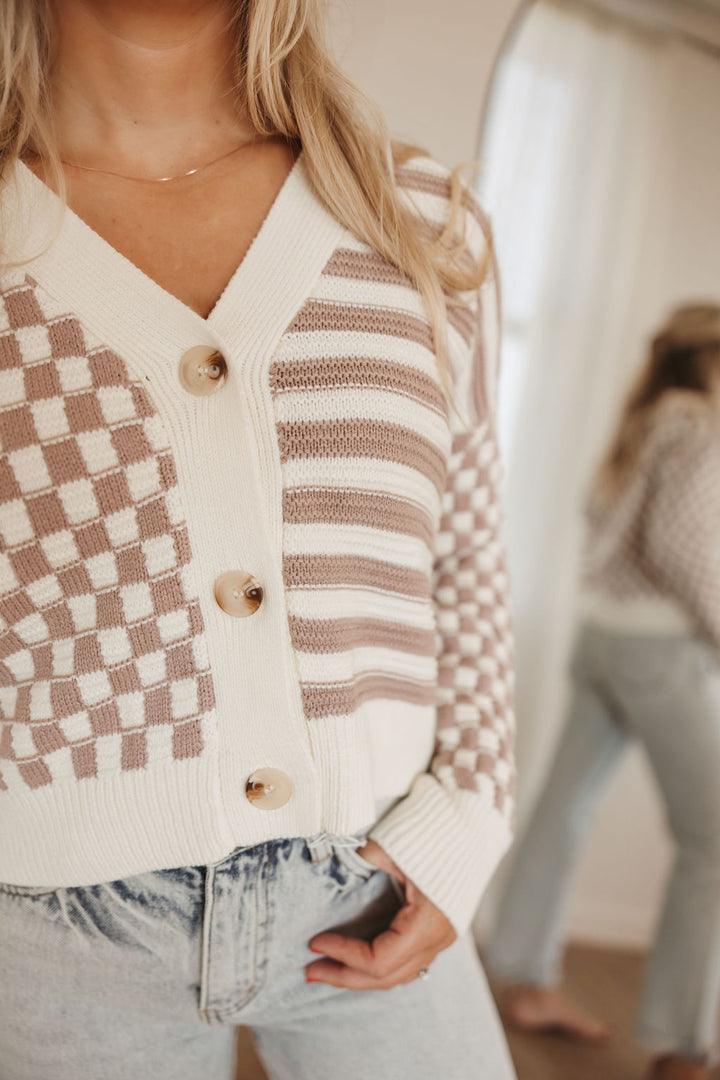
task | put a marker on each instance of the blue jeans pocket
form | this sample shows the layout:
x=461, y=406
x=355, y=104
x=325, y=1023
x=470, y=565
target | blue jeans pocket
x=27, y=890
x=354, y=863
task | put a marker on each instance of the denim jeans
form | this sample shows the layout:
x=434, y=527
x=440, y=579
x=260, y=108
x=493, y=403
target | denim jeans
x=145, y=978
x=665, y=693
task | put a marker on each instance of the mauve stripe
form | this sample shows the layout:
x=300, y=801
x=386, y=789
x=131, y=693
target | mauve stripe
x=340, y=635
x=323, y=316
x=416, y=180
x=365, y=266
x=337, y=699
x=322, y=373
x=306, y=571
x=362, y=438
x=368, y=266
x=437, y=185
x=343, y=506
x=463, y=320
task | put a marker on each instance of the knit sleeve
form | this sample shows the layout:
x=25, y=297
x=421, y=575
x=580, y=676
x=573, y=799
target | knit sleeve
x=682, y=524
x=452, y=829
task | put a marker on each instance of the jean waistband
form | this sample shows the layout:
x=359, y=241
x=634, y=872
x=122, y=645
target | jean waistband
x=322, y=844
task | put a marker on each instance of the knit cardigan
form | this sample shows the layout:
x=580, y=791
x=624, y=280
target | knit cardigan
x=652, y=556
x=376, y=671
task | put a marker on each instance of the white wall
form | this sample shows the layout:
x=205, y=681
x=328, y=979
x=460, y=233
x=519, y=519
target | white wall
x=696, y=17
x=426, y=62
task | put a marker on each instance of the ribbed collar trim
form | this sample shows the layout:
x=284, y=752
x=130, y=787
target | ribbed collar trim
x=134, y=315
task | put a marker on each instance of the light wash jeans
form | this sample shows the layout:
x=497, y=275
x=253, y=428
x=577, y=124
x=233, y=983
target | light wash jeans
x=666, y=693
x=145, y=977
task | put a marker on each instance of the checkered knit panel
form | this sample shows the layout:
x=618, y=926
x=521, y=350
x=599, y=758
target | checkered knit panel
x=475, y=717
x=656, y=536
x=103, y=663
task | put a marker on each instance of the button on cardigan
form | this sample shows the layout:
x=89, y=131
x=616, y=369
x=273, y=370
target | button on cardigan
x=308, y=451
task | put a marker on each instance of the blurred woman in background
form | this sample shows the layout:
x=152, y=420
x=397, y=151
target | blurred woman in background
x=646, y=666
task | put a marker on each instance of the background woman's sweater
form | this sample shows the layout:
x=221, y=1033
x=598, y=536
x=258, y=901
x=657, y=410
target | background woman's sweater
x=652, y=557
x=288, y=561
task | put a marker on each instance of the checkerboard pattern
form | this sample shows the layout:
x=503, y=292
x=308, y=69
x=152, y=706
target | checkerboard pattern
x=656, y=537
x=475, y=676
x=103, y=661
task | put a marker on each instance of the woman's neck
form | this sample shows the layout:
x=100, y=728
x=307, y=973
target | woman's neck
x=145, y=87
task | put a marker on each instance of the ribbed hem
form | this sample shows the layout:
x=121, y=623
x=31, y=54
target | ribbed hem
x=115, y=826
x=656, y=616
x=341, y=755
x=448, y=843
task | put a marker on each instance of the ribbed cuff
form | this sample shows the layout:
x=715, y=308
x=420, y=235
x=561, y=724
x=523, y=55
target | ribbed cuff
x=448, y=843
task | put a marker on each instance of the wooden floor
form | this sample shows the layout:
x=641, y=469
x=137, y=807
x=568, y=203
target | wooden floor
x=606, y=982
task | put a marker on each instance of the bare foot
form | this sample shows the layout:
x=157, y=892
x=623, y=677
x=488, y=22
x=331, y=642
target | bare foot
x=544, y=1010
x=671, y=1067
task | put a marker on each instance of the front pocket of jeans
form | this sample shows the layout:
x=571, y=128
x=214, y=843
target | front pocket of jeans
x=354, y=863
x=26, y=890
x=662, y=665
x=643, y=665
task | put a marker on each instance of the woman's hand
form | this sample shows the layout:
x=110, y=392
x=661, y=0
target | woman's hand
x=416, y=935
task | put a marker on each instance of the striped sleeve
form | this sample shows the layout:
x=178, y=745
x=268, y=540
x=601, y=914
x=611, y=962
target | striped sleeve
x=455, y=824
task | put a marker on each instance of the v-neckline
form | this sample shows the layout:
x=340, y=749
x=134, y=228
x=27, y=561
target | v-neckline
x=80, y=226
x=131, y=312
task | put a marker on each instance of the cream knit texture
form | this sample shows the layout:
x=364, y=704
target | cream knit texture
x=378, y=666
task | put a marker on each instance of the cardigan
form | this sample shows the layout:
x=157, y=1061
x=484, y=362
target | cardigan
x=252, y=578
x=652, y=557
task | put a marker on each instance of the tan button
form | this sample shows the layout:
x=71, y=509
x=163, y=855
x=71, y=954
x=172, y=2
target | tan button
x=202, y=370
x=268, y=789
x=238, y=593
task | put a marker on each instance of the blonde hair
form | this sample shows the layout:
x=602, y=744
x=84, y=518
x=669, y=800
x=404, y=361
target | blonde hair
x=292, y=89
x=684, y=358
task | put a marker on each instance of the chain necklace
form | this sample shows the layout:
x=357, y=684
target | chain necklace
x=162, y=179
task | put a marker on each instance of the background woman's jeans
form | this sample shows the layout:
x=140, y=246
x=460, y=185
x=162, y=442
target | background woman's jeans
x=145, y=977
x=665, y=692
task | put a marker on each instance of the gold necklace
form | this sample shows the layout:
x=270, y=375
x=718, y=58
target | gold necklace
x=162, y=179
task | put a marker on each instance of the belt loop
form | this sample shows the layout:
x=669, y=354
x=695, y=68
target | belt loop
x=320, y=847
